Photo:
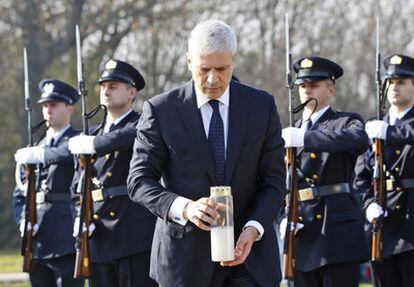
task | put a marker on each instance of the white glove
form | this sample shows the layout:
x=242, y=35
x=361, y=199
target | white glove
x=29, y=227
x=82, y=145
x=376, y=129
x=374, y=211
x=30, y=155
x=293, y=137
x=76, y=228
x=283, y=225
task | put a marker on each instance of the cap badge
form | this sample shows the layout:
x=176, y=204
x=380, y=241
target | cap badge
x=396, y=60
x=110, y=65
x=48, y=88
x=306, y=63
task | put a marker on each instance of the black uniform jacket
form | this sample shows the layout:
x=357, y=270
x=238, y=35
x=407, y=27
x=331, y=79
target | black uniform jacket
x=398, y=228
x=123, y=228
x=333, y=224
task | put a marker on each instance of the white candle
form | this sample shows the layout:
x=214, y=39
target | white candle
x=222, y=243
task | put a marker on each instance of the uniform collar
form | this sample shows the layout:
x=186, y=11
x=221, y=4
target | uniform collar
x=117, y=121
x=394, y=115
x=315, y=116
x=55, y=135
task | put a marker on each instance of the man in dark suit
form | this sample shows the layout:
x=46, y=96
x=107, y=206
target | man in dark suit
x=397, y=130
x=211, y=131
x=121, y=240
x=331, y=241
x=54, y=250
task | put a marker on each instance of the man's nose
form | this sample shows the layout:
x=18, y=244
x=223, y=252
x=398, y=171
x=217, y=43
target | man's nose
x=212, y=77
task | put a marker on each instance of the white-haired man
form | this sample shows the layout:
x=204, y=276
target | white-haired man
x=174, y=142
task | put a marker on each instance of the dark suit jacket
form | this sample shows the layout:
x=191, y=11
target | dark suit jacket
x=398, y=228
x=123, y=228
x=171, y=144
x=333, y=225
x=54, y=238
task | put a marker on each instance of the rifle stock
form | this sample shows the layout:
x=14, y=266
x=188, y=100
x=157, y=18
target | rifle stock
x=30, y=204
x=82, y=261
x=379, y=172
x=289, y=264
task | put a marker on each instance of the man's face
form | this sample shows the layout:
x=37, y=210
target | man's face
x=116, y=95
x=57, y=114
x=401, y=92
x=211, y=73
x=322, y=91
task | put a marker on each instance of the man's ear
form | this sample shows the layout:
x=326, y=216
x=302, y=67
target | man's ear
x=332, y=89
x=187, y=55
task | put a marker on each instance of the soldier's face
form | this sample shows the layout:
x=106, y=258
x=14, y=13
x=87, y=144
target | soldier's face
x=57, y=114
x=211, y=73
x=322, y=91
x=116, y=95
x=401, y=92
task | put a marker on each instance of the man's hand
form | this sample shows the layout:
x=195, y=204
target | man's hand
x=202, y=212
x=243, y=246
x=30, y=155
x=29, y=227
x=376, y=129
x=82, y=144
x=293, y=137
x=75, y=232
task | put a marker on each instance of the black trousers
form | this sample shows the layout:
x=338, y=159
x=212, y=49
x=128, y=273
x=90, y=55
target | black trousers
x=332, y=275
x=395, y=271
x=236, y=276
x=131, y=271
x=55, y=272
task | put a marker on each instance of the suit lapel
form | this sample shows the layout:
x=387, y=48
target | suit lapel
x=238, y=114
x=190, y=115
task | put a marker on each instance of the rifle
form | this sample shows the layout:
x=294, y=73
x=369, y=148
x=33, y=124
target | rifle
x=289, y=270
x=30, y=205
x=83, y=262
x=380, y=195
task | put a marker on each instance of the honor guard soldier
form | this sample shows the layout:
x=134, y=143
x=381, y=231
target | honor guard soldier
x=330, y=240
x=397, y=130
x=121, y=242
x=54, y=250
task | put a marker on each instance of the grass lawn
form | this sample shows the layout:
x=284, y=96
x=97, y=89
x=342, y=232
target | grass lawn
x=10, y=262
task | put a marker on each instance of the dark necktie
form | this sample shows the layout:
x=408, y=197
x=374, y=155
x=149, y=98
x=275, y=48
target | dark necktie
x=216, y=142
x=398, y=122
x=52, y=142
x=308, y=125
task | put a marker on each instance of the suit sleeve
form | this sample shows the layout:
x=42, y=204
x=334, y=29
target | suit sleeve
x=363, y=178
x=351, y=138
x=116, y=140
x=401, y=135
x=150, y=154
x=271, y=174
x=60, y=154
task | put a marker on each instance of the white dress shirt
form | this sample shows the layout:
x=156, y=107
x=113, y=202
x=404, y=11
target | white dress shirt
x=394, y=115
x=115, y=122
x=56, y=136
x=314, y=117
x=176, y=210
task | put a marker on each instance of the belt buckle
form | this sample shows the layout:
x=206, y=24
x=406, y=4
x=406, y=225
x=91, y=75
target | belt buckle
x=306, y=194
x=97, y=194
x=390, y=184
x=40, y=197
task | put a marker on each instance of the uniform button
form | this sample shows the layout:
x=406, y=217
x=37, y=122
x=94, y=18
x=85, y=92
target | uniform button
x=96, y=216
x=107, y=155
x=315, y=176
x=398, y=207
x=397, y=152
x=92, y=160
x=111, y=196
x=318, y=216
x=313, y=155
x=398, y=189
x=397, y=169
x=300, y=218
x=109, y=174
x=112, y=213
